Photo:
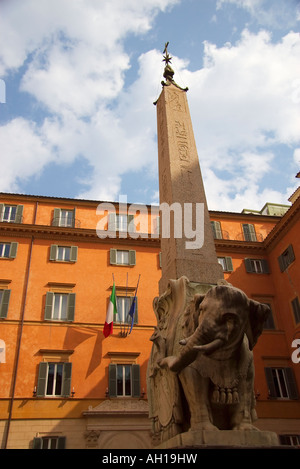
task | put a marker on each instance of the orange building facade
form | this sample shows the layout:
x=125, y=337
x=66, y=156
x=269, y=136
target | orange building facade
x=63, y=384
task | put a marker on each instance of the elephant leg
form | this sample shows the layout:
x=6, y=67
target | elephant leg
x=196, y=388
x=242, y=416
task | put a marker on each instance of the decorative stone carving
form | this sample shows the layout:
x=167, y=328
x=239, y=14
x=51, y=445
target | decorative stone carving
x=92, y=437
x=200, y=373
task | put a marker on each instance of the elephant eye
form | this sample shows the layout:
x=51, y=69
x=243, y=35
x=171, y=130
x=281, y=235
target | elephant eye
x=229, y=317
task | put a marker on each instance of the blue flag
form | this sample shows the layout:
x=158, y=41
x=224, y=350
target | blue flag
x=132, y=312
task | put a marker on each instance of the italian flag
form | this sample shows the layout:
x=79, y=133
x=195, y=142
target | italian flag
x=111, y=311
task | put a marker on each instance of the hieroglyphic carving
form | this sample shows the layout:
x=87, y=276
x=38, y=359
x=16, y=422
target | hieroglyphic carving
x=176, y=102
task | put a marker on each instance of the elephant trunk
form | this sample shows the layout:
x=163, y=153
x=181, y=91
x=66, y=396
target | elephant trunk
x=210, y=347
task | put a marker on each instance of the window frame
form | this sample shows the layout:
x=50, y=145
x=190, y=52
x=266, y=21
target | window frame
x=135, y=383
x=50, y=305
x=281, y=381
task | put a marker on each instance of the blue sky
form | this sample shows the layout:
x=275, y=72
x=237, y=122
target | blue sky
x=81, y=77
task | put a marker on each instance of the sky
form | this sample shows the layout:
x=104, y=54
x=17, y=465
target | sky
x=79, y=78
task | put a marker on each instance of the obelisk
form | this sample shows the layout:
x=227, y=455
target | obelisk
x=181, y=189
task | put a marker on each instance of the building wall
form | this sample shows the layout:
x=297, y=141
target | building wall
x=86, y=418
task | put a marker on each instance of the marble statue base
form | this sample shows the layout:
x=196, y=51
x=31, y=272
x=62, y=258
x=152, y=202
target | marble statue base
x=222, y=439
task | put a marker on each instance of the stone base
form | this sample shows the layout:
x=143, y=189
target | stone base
x=222, y=439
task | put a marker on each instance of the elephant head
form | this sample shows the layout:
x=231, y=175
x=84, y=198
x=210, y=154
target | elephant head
x=226, y=314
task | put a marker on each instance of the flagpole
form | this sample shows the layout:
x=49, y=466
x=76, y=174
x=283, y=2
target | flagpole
x=134, y=299
x=125, y=315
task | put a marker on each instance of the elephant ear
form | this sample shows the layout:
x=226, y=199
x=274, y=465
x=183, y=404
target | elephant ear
x=258, y=314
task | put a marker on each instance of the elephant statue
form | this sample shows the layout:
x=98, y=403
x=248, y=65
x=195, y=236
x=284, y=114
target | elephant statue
x=201, y=371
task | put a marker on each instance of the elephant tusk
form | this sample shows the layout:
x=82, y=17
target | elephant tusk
x=210, y=347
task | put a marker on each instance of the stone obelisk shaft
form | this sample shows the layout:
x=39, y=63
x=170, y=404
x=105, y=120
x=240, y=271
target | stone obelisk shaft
x=180, y=181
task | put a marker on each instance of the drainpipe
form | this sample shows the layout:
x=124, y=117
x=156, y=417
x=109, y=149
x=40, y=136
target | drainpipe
x=14, y=379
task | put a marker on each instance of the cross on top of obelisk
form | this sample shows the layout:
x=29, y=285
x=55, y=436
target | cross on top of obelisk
x=168, y=71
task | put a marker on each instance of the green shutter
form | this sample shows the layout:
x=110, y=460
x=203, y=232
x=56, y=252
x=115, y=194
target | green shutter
x=265, y=266
x=248, y=265
x=61, y=444
x=71, y=306
x=4, y=303
x=1, y=211
x=130, y=224
x=73, y=221
x=291, y=383
x=132, y=257
x=112, y=222
x=113, y=256
x=13, y=250
x=291, y=254
x=270, y=382
x=228, y=262
x=112, y=380
x=249, y=232
x=19, y=214
x=49, y=305
x=41, y=386
x=56, y=217
x=74, y=254
x=281, y=263
x=37, y=443
x=53, y=252
x=135, y=317
x=136, y=387
x=216, y=227
x=66, y=384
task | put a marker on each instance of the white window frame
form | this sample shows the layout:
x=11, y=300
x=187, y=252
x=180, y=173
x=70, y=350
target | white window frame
x=4, y=247
x=9, y=213
x=61, y=303
x=66, y=218
x=122, y=257
x=281, y=383
x=123, y=306
x=256, y=265
x=121, y=222
x=121, y=376
x=53, y=391
x=63, y=253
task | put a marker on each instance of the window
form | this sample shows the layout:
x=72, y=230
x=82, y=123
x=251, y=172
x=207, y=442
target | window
x=54, y=379
x=64, y=218
x=50, y=442
x=124, y=380
x=249, y=232
x=296, y=309
x=120, y=257
x=4, y=301
x=292, y=440
x=257, y=266
x=226, y=263
x=60, y=306
x=120, y=222
x=63, y=253
x=8, y=250
x=281, y=383
x=269, y=323
x=216, y=227
x=286, y=258
x=11, y=213
x=123, y=306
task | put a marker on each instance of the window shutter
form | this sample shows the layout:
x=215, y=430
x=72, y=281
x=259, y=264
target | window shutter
x=248, y=265
x=74, y=254
x=265, y=266
x=41, y=386
x=249, y=232
x=37, y=443
x=270, y=382
x=228, y=262
x=56, y=217
x=66, y=384
x=132, y=257
x=281, y=263
x=135, y=317
x=130, y=224
x=53, y=252
x=19, y=214
x=13, y=250
x=4, y=303
x=113, y=256
x=136, y=387
x=49, y=305
x=112, y=380
x=296, y=309
x=112, y=222
x=1, y=211
x=216, y=227
x=73, y=220
x=291, y=254
x=159, y=259
x=291, y=383
x=61, y=443
x=71, y=306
